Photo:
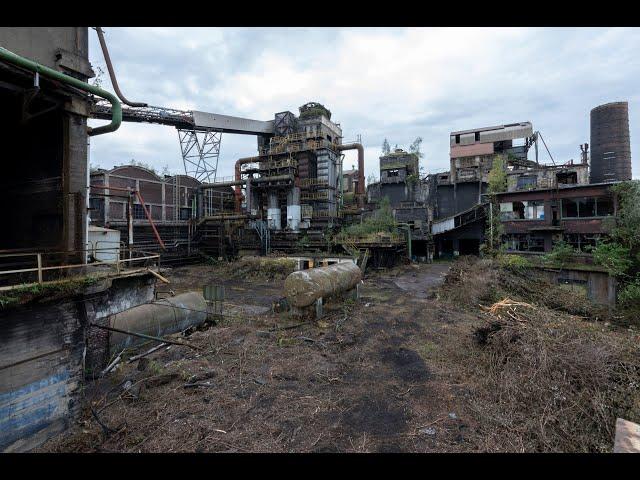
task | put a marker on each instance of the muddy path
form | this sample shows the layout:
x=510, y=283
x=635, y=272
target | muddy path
x=370, y=377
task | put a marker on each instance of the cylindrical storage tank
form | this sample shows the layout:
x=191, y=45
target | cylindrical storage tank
x=294, y=214
x=273, y=212
x=162, y=317
x=610, y=143
x=304, y=287
x=293, y=217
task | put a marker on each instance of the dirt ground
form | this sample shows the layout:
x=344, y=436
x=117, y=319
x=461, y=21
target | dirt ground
x=390, y=373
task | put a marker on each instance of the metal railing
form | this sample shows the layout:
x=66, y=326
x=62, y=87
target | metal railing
x=46, y=267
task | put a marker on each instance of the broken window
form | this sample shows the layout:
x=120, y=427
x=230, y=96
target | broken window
x=581, y=241
x=536, y=243
x=457, y=138
x=604, y=207
x=477, y=139
x=527, y=182
x=521, y=242
x=527, y=210
x=586, y=207
x=393, y=173
x=517, y=242
x=567, y=178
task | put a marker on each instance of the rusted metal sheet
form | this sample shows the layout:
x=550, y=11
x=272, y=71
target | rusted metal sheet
x=471, y=150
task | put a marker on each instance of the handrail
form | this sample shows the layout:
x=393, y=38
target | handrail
x=116, y=108
x=40, y=269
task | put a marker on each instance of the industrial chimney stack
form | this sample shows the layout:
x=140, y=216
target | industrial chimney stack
x=610, y=143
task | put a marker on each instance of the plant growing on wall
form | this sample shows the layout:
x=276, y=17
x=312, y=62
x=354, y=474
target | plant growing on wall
x=380, y=221
x=494, y=230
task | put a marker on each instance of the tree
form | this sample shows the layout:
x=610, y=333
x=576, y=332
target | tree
x=497, y=176
x=415, y=147
x=494, y=228
x=386, y=148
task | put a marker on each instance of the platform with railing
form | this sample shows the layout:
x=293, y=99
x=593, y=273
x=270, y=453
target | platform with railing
x=19, y=269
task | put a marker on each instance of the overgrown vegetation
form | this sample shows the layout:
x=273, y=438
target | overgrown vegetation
x=620, y=253
x=516, y=263
x=262, y=267
x=497, y=182
x=314, y=109
x=542, y=378
x=561, y=255
x=27, y=293
x=380, y=221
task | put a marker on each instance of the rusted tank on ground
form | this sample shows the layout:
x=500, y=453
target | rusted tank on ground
x=160, y=318
x=304, y=287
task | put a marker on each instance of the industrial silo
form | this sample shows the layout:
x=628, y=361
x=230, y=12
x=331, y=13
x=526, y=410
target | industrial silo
x=610, y=143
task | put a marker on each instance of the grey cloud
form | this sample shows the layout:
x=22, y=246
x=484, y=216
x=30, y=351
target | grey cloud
x=551, y=77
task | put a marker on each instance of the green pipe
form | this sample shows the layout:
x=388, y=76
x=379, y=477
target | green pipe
x=116, y=108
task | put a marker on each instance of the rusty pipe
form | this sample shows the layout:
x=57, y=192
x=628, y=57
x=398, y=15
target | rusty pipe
x=148, y=214
x=238, y=190
x=360, y=148
x=112, y=73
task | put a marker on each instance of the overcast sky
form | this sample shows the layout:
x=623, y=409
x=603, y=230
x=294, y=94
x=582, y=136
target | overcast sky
x=392, y=83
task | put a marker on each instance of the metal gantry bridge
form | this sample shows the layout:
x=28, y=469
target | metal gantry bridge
x=199, y=133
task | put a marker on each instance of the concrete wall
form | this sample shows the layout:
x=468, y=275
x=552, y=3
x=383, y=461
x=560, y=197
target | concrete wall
x=42, y=345
x=59, y=163
x=62, y=48
x=546, y=177
x=599, y=286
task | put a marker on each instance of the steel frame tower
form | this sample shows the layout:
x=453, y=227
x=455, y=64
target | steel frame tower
x=200, y=151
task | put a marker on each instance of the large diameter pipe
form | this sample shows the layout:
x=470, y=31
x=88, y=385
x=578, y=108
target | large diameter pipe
x=116, y=108
x=360, y=148
x=160, y=318
x=112, y=73
x=238, y=170
x=304, y=287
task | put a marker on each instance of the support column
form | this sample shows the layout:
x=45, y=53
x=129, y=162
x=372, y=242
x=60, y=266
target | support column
x=273, y=212
x=293, y=209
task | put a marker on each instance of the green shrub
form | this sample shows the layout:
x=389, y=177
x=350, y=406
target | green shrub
x=381, y=221
x=629, y=296
x=515, y=263
x=561, y=255
x=614, y=257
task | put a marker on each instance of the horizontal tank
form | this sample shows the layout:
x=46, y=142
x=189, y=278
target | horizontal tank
x=162, y=317
x=304, y=287
x=610, y=143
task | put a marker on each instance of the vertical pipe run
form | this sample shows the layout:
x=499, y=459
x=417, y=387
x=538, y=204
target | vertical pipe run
x=360, y=148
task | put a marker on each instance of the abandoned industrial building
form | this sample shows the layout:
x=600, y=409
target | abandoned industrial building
x=90, y=265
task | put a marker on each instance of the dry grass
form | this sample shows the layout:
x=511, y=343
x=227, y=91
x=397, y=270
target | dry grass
x=545, y=380
x=273, y=268
x=523, y=374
